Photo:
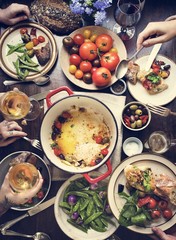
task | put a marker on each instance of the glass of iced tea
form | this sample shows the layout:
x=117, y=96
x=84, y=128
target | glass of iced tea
x=16, y=105
x=23, y=176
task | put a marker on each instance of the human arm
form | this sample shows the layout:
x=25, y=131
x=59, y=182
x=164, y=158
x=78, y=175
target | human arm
x=10, y=131
x=160, y=235
x=9, y=198
x=14, y=14
x=164, y=32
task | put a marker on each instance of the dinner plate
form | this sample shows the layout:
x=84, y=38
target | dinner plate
x=41, y=166
x=70, y=230
x=12, y=36
x=159, y=165
x=64, y=56
x=141, y=95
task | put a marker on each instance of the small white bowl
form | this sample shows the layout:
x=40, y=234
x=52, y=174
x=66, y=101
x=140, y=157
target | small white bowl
x=119, y=87
x=132, y=146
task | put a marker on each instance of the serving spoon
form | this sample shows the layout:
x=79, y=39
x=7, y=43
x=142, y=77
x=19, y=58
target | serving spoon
x=38, y=81
x=122, y=67
x=36, y=236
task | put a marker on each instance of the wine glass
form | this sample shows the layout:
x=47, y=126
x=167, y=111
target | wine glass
x=16, y=105
x=127, y=14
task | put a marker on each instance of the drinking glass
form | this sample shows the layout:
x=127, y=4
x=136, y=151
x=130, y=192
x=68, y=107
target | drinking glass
x=16, y=105
x=127, y=14
x=159, y=142
x=23, y=176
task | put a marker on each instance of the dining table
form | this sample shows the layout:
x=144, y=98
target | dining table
x=45, y=221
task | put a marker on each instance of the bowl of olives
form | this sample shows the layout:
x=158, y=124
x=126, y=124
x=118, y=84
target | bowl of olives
x=136, y=116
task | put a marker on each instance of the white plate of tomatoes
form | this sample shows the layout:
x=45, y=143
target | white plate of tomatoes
x=90, y=55
x=12, y=36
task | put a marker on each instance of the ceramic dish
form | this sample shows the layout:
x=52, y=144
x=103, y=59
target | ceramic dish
x=119, y=87
x=67, y=228
x=64, y=56
x=44, y=170
x=159, y=165
x=12, y=36
x=141, y=95
x=132, y=146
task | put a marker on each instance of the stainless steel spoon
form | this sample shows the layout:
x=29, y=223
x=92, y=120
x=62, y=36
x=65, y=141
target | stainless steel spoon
x=36, y=236
x=38, y=81
x=122, y=67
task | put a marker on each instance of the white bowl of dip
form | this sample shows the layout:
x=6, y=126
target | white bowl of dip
x=132, y=146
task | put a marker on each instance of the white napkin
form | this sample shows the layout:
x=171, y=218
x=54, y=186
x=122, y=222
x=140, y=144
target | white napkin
x=115, y=104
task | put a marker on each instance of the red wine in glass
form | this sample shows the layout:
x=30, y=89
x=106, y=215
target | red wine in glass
x=127, y=14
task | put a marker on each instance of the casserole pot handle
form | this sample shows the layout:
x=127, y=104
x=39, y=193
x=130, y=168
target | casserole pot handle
x=57, y=90
x=101, y=177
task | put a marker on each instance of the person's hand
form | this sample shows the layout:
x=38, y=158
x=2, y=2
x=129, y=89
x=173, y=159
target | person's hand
x=14, y=198
x=10, y=131
x=14, y=14
x=160, y=235
x=164, y=32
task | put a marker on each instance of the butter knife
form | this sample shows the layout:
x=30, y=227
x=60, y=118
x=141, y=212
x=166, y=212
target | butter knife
x=152, y=56
x=40, y=96
x=31, y=212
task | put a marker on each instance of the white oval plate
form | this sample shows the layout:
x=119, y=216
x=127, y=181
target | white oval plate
x=141, y=95
x=12, y=36
x=158, y=164
x=64, y=56
x=44, y=170
x=67, y=228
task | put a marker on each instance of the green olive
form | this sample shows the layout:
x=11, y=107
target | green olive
x=133, y=107
x=133, y=125
x=138, y=112
x=30, y=53
x=139, y=123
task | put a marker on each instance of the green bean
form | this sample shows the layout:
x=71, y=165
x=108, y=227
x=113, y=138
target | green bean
x=19, y=50
x=84, y=204
x=76, y=225
x=33, y=69
x=18, y=71
x=97, y=200
x=99, y=222
x=96, y=228
x=12, y=50
x=93, y=217
x=90, y=192
x=79, y=194
x=82, y=214
x=79, y=185
x=64, y=205
x=28, y=63
x=76, y=206
x=108, y=219
x=105, y=223
x=90, y=208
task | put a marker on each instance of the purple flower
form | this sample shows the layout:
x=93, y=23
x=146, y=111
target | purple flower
x=102, y=5
x=100, y=16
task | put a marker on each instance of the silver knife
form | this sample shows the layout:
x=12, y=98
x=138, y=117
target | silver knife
x=152, y=56
x=40, y=96
x=31, y=212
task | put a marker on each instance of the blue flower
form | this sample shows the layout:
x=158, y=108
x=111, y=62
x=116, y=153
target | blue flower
x=100, y=16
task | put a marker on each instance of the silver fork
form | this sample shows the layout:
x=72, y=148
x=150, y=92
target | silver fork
x=162, y=111
x=34, y=142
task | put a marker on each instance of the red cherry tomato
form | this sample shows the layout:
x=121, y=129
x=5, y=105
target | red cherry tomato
x=57, y=151
x=93, y=69
x=167, y=213
x=85, y=66
x=110, y=60
x=152, y=203
x=40, y=194
x=143, y=201
x=58, y=124
x=78, y=39
x=41, y=39
x=162, y=204
x=88, y=51
x=104, y=151
x=98, y=139
x=23, y=30
x=101, y=77
x=155, y=214
x=35, y=41
x=104, y=42
x=75, y=59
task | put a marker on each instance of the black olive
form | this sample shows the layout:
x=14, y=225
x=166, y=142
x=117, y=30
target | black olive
x=53, y=136
x=128, y=112
x=56, y=130
x=98, y=160
x=105, y=140
x=166, y=67
x=120, y=188
x=61, y=119
x=62, y=156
